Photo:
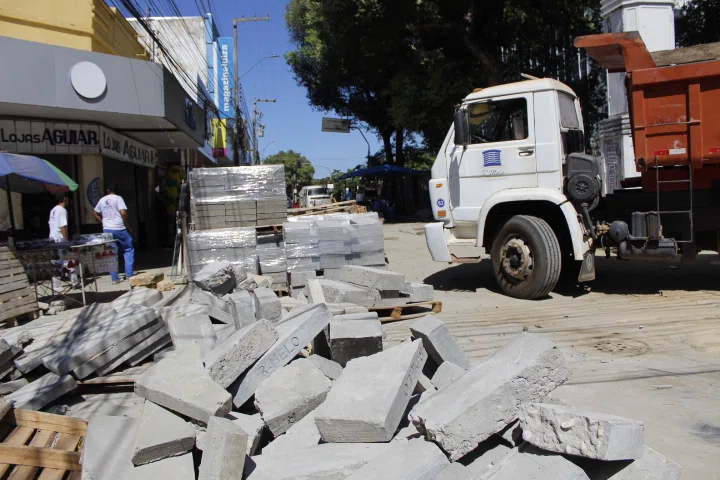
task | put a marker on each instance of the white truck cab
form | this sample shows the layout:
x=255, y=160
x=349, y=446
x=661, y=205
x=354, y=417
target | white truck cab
x=314, y=196
x=498, y=182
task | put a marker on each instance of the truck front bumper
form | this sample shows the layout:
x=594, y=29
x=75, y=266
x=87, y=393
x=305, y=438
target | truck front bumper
x=436, y=237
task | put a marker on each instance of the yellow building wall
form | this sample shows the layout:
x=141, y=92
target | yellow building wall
x=82, y=24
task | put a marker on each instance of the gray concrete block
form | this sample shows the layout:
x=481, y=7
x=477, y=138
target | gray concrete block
x=575, y=431
x=5, y=406
x=267, y=305
x=439, y=342
x=14, y=385
x=223, y=331
x=299, y=295
x=424, y=385
x=169, y=313
x=314, y=292
x=321, y=462
x=391, y=302
x=253, y=426
x=300, y=278
x=354, y=339
x=487, y=462
x=367, y=402
x=162, y=354
x=372, y=316
x=196, y=329
x=42, y=391
x=232, y=357
x=293, y=334
x=512, y=434
x=415, y=459
x=533, y=464
x=263, y=281
x=302, y=434
x=224, y=455
x=6, y=352
x=331, y=369
x=419, y=292
x=651, y=466
x=145, y=297
x=339, y=292
x=87, y=341
x=161, y=434
x=180, y=383
x=158, y=341
x=177, y=468
x=291, y=393
x=346, y=308
x=223, y=311
x=488, y=397
x=454, y=471
x=116, y=351
x=446, y=373
x=244, y=307
x=108, y=447
x=216, y=277
x=368, y=277
x=288, y=303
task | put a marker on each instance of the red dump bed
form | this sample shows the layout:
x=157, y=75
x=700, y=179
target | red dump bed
x=674, y=109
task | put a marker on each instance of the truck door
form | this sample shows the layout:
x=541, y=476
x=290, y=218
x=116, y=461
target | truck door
x=500, y=154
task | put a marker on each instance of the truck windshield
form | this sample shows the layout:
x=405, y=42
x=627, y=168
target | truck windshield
x=498, y=121
x=311, y=192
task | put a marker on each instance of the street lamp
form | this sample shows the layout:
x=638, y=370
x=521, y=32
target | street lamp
x=258, y=63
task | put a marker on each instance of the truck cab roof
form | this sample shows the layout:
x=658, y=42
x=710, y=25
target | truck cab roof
x=539, y=85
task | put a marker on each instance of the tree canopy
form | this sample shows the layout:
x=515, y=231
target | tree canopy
x=698, y=22
x=399, y=67
x=295, y=164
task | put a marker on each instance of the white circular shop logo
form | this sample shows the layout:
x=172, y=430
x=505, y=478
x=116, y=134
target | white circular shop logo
x=88, y=80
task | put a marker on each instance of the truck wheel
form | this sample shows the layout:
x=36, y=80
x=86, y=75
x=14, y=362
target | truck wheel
x=526, y=258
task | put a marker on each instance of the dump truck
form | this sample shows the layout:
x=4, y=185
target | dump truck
x=512, y=175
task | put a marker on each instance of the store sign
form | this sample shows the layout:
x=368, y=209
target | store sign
x=120, y=147
x=225, y=76
x=47, y=137
x=335, y=125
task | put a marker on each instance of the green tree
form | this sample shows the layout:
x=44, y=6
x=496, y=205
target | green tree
x=298, y=169
x=698, y=22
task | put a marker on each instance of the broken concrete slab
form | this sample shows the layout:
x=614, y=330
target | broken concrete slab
x=369, y=277
x=291, y=393
x=331, y=369
x=302, y=434
x=161, y=434
x=300, y=278
x=488, y=456
x=177, y=311
x=179, y=383
x=329, y=461
x=424, y=385
x=253, y=426
x=372, y=316
x=178, y=468
x=415, y=459
x=224, y=311
x=230, y=358
x=575, y=431
x=512, y=434
x=314, y=291
x=267, y=305
x=216, y=277
x=293, y=334
x=6, y=352
x=439, y=342
x=454, y=471
x=244, y=307
x=488, y=397
x=141, y=351
x=535, y=464
x=5, y=406
x=223, y=331
x=141, y=296
x=651, y=466
x=14, y=385
x=224, y=454
x=446, y=373
x=367, y=402
x=419, y=292
x=354, y=339
x=42, y=391
x=108, y=447
x=196, y=329
x=339, y=292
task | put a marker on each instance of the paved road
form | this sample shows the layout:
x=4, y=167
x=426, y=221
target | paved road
x=643, y=340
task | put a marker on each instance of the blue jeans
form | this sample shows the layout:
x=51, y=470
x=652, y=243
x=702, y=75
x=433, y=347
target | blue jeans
x=124, y=242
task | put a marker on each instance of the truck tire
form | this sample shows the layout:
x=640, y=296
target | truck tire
x=526, y=258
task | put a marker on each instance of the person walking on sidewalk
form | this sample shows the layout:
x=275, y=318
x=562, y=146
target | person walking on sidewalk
x=112, y=212
x=58, y=220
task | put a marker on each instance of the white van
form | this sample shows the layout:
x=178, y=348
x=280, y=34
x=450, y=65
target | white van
x=314, y=196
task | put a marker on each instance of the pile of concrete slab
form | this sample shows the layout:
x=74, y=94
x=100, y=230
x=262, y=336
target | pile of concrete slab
x=238, y=246
x=234, y=197
x=272, y=259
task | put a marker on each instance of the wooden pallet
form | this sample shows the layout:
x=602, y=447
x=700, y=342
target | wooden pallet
x=407, y=312
x=43, y=446
x=17, y=297
x=349, y=206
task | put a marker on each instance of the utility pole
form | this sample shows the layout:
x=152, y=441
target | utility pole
x=256, y=115
x=238, y=118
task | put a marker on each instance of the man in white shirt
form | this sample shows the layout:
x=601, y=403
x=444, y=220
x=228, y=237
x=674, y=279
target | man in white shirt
x=112, y=212
x=58, y=221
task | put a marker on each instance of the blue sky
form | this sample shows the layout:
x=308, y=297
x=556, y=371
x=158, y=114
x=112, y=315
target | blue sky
x=291, y=123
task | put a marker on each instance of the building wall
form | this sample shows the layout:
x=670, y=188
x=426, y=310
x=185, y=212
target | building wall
x=82, y=24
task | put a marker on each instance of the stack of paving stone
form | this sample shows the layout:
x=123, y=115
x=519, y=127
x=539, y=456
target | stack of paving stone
x=272, y=259
x=238, y=196
x=237, y=246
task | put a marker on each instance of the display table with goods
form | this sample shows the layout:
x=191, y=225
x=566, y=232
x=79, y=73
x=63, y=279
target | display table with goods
x=56, y=269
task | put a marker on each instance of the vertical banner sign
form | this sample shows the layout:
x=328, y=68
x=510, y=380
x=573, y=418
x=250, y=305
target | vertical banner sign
x=224, y=74
x=219, y=137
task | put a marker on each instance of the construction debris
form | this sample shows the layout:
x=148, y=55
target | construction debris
x=354, y=339
x=223, y=457
x=446, y=373
x=439, y=342
x=216, y=277
x=415, y=459
x=161, y=434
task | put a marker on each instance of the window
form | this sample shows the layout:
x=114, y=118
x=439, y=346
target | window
x=568, y=113
x=317, y=191
x=501, y=121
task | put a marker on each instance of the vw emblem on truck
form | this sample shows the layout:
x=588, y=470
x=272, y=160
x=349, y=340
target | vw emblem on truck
x=441, y=203
x=492, y=158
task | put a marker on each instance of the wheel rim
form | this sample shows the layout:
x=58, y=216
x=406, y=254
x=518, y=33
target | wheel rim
x=517, y=260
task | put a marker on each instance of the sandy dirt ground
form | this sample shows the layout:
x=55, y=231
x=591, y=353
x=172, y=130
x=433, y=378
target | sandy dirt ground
x=643, y=339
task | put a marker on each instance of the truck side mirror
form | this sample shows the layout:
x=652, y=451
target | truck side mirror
x=461, y=128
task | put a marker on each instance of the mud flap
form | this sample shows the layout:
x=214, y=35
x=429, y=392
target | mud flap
x=587, y=270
